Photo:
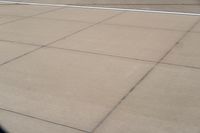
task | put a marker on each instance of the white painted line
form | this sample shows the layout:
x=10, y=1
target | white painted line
x=101, y=8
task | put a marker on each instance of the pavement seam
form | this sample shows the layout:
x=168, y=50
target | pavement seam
x=145, y=27
x=144, y=77
x=40, y=119
x=96, y=53
x=180, y=65
x=178, y=42
x=27, y=17
x=19, y=43
x=102, y=54
x=20, y=56
x=65, y=20
x=85, y=28
x=195, y=32
x=123, y=57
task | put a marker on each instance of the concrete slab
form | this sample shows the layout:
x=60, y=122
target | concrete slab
x=167, y=101
x=70, y=88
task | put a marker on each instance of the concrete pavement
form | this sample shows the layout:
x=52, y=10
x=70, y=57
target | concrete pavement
x=78, y=70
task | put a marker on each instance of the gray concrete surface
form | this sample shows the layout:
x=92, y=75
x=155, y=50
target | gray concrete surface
x=78, y=70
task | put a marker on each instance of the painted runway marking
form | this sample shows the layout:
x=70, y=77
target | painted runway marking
x=103, y=8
